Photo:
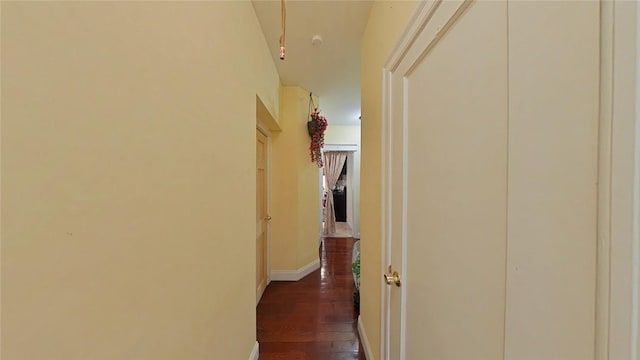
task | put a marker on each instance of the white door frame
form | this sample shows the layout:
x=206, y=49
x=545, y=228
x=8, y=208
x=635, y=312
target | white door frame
x=636, y=203
x=621, y=237
x=618, y=290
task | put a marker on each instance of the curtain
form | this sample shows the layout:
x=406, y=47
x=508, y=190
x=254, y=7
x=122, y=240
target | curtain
x=333, y=163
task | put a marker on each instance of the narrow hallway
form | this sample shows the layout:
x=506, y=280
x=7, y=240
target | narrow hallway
x=314, y=318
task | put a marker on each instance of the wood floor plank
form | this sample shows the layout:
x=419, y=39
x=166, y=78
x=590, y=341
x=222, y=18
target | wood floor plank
x=314, y=318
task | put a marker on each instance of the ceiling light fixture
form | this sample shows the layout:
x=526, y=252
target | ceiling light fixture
x=283, y=23
x=316, y=40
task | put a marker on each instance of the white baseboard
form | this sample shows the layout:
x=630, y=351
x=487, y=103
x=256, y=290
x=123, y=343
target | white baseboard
x=260, y=292
x=364, y=340
x=255, y=352
x=295, y=275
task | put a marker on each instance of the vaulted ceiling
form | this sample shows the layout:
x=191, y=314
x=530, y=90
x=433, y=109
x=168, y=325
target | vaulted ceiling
x=330, y=70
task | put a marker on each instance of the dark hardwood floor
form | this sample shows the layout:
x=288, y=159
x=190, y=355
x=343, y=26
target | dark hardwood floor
x=314, y=318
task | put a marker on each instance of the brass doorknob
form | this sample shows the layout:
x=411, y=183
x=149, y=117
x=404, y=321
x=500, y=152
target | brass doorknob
x=268, y=218
x=392, y=277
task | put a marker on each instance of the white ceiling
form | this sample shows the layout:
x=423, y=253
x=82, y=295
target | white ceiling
x=332, y=70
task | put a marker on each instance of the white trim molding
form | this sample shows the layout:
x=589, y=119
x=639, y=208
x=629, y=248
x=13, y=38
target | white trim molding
x=340, y=147
x=635, y=327
x=364, y=340
x=624, y=322
x=635, y=215
x=295, y=275
x=603, y=251
x=255, y=353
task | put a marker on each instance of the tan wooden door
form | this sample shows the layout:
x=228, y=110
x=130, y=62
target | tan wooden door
x=490, y=124
x=262, y=217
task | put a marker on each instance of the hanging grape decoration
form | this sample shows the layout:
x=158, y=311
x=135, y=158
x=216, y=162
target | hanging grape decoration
x=316, y=127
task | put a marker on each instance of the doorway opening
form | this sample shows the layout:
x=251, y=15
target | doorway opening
x=339, y=193
x=343, y=188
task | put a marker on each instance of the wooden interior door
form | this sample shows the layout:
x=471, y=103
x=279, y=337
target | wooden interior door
x=262, y=217
x=490, y=207
x=446, y=174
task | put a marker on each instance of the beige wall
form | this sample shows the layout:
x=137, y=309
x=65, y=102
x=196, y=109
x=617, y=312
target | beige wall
x=386, y=22
x=128, y=167
x=349, y=135
x=342, y=134
x=294, y=206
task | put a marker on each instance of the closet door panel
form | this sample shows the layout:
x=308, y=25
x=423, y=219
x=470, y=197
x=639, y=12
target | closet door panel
x=552, y=208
